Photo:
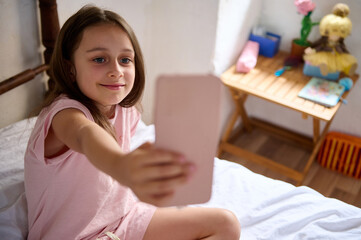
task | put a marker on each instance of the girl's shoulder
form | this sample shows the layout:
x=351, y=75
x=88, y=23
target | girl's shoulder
x=131, y=112
x=63, y=102
x=128, y=116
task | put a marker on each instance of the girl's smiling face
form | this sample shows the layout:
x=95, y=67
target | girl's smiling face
x=104, y=65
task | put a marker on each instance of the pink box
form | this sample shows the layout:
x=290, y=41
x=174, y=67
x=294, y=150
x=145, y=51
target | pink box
x=248, y=58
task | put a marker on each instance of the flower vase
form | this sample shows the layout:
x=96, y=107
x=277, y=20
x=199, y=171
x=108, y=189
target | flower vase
x=298, y=50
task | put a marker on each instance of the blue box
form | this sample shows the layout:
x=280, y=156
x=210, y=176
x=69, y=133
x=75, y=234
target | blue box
x=314, y=71
x=268, y=45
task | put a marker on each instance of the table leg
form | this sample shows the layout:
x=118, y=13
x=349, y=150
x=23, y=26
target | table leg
x=316, y=130
x=229, y=129
x=317, y=145
x=239, y=99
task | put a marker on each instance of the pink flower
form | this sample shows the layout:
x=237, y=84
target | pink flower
x=304, y=6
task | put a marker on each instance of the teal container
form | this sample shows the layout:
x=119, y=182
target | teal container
x=314, y=71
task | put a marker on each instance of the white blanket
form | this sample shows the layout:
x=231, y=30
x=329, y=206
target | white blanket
x=266, y=208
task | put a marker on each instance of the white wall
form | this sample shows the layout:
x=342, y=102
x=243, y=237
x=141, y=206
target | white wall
x=180, y=39
x=235, y=21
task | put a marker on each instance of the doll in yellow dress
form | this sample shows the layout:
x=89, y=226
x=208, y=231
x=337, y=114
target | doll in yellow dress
x=329, y=53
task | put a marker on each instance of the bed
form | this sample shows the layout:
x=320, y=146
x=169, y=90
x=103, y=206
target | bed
x=266, y=208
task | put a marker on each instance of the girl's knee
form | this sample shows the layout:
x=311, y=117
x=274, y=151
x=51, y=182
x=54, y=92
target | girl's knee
x=230, y=224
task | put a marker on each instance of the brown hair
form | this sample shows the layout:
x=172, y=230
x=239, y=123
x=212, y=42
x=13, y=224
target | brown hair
x=61, y=62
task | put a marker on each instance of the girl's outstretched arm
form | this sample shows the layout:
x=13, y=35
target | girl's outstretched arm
x=151, y=173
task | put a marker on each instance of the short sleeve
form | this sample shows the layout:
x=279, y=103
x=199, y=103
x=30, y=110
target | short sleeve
x=135, y=118
x=42, y=126
x=125, y=126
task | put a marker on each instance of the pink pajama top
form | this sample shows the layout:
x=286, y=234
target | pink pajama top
x=68, y=198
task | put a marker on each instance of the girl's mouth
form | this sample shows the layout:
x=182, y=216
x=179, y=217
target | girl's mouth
x=113, y=86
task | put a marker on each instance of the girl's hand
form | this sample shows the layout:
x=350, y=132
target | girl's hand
x=153, y=174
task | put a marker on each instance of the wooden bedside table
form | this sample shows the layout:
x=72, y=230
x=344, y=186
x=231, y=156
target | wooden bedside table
x=261, y=82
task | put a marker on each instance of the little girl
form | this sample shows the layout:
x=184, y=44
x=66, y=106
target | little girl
x=81, y=179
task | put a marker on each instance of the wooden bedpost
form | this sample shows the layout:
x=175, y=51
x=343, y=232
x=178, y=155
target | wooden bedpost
x=49, y=29
x=49, y=33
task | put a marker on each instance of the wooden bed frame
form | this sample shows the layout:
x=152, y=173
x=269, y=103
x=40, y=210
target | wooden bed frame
x=49, y=32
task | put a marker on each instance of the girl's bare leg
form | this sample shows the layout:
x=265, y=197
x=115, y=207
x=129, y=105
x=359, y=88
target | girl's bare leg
x=193, y=223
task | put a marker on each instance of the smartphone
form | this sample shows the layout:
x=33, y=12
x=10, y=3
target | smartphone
x=187, y=121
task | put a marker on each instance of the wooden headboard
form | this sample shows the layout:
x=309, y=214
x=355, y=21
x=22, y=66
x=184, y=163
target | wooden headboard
x=49, y=32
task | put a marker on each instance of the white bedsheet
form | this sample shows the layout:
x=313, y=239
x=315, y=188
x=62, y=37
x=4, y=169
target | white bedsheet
x=266, y=208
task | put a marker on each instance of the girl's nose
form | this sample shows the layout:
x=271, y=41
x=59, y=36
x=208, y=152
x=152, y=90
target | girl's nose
x=115, y=74
x=115, y=71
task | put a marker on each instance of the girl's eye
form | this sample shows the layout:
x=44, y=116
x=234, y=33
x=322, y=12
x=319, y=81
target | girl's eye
x=99, y=60
x=125, y=60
